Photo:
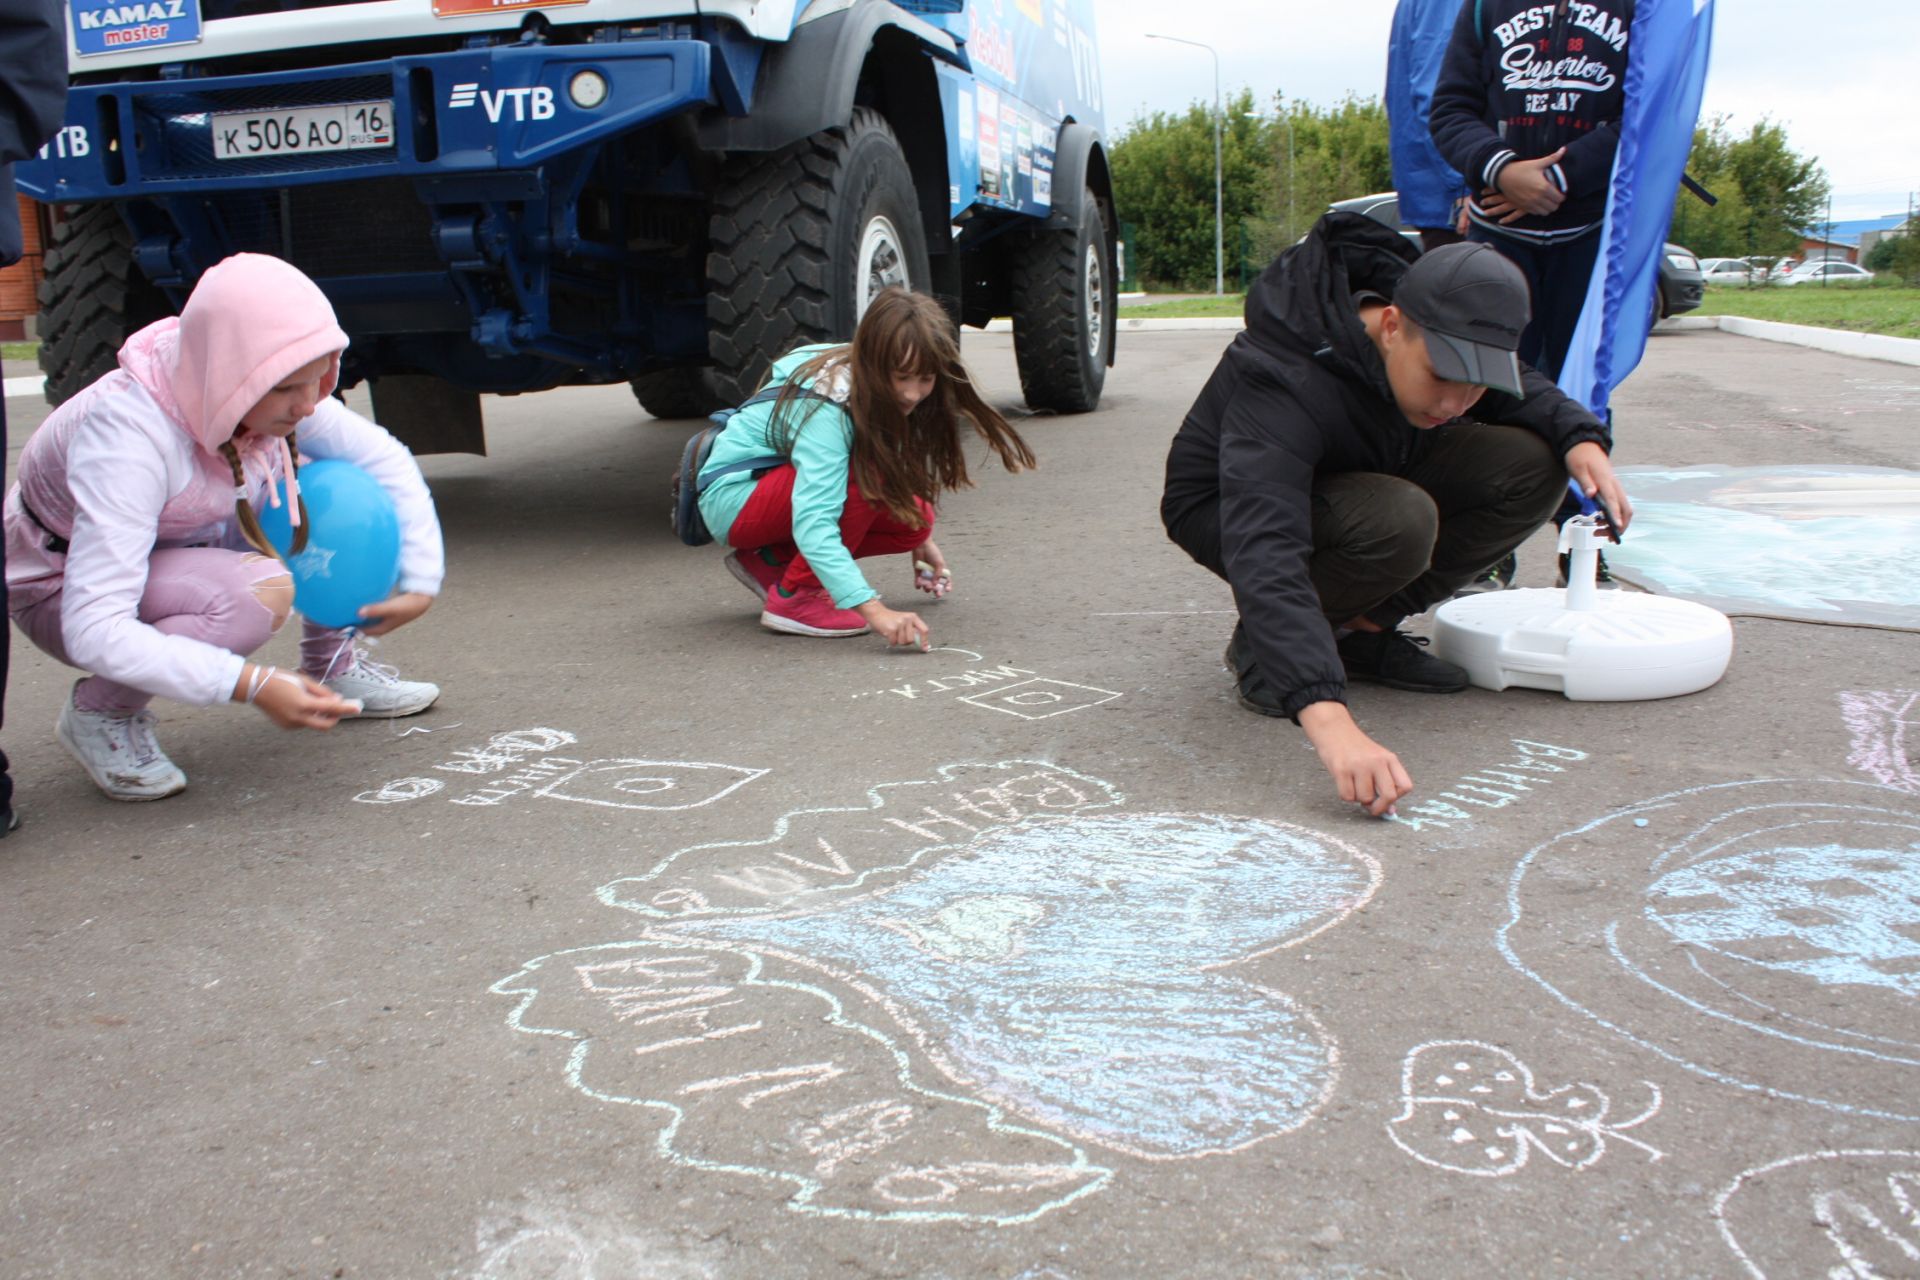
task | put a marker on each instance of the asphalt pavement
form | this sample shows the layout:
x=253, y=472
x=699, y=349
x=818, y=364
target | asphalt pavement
x=667, y=947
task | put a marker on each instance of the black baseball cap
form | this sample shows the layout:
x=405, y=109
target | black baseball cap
x=1471, y=303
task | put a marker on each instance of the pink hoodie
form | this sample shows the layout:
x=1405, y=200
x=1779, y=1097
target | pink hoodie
x=132, y=463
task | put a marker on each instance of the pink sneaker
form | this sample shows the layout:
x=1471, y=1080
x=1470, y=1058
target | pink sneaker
x=809, y=612
x=753, y=572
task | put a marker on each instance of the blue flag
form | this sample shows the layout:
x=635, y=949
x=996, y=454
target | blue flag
x=1666, y=74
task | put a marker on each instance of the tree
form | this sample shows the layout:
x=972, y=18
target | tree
x=1769, y=194
x=1163, y=182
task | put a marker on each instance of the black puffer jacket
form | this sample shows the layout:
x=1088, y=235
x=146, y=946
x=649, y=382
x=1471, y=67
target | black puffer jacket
x=1302, y=391
x=1523, y=78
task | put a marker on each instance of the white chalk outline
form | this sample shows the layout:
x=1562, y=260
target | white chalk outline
x=1520, y=1134
x=803, y=1201
x=1515, y=912
x=1719, y=1210
x=609, y=893
x=748, y=773
x=1064, y=684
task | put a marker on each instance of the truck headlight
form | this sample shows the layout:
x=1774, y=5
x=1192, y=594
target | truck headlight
x=587, y=89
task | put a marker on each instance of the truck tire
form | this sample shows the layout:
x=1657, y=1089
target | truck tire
x=689, y=391
x=1063, y=313
x=801, y=239
x=93, y=298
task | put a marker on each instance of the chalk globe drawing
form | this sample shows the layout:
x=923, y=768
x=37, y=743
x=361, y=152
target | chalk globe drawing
x=1766, y=935
x=1076, y=971
x=1845, y=1215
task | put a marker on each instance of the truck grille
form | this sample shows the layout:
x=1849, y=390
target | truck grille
x=373, y=227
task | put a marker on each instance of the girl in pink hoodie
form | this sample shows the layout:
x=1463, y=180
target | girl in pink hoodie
x=132, y=548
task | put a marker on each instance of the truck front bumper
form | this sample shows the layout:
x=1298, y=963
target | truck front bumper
x=477, y=111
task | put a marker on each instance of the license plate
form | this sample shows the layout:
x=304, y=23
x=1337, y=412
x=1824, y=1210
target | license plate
x=350, y=126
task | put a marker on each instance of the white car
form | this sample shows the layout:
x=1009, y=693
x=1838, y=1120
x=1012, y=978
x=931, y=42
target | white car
x=1827, y=272
x=1726, y=270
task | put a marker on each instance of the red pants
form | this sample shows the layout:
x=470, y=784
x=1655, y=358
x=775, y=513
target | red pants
x=866, y=528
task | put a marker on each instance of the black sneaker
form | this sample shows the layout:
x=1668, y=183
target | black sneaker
x=1255, y=693
x=1498, y=577
x=1602, y=576
x=1398, y=661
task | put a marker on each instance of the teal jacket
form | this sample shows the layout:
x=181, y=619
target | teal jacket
x=822, y=450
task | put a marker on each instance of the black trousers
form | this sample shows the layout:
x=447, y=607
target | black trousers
x=1387, y=547
x=1557, y=276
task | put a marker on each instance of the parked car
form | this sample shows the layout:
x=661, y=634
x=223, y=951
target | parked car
x=1681, y=286
x=1826, y=271
x=1729, y=271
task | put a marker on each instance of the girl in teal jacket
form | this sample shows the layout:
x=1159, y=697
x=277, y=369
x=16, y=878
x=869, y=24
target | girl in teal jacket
x=871, y=433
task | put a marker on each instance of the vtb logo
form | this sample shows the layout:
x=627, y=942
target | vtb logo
x=528, y=104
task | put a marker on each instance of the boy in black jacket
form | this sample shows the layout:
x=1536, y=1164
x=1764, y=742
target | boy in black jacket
x=1324, y=473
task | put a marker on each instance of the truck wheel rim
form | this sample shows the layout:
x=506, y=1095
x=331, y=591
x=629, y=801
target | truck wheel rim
x=1096, y=301
x=881, y=262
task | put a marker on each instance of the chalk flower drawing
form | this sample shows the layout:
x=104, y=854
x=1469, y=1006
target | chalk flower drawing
x=1861, y=1209
x=1472, y=1108
x=1771, y=942
x=1070, y=974
x=1885, y=728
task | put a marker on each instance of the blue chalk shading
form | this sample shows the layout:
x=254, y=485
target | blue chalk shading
x=1064, y=965
x=1820, y=543
x=1852, y=915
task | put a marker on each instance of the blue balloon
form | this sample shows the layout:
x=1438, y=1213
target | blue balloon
x=352, y=556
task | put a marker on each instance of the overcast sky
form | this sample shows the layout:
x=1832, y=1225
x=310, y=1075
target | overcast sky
x=1839, y=76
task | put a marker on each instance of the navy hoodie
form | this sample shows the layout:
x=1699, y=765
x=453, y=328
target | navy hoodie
x=1523, y=78
x=1303, y=391
x=33, y=93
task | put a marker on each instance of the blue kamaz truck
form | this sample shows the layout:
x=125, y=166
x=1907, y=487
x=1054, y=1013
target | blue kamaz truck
x=505, y=196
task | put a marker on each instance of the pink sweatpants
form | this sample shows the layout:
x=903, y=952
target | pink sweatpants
x=203, y=593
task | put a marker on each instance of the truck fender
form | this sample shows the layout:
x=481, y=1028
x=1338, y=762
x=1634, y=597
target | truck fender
x=807, y=84
x=1079, y=164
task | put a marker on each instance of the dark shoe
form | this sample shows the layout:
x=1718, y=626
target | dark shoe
x=1398, y=661
x=1255, y=693
x=9, y=821
x=1602, y=577
x=1498, y=577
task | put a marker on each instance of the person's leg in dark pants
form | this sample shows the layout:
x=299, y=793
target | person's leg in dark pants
x=1492, y=487
x=1372, y=534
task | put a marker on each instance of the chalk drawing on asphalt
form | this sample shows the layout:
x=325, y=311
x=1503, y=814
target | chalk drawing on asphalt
x=1527, y=768
x=1472, y=1108
x=762, y=1075
x=1858, y=1211
x=521, y=762
x=1068, y=974
x=1815, y=544
x=1885, y=728
x=1017, y=691
x=1041, y=699
x=1768, y=936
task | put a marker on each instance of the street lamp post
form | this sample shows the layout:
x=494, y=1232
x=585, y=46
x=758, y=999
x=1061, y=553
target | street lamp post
x=1219, y=225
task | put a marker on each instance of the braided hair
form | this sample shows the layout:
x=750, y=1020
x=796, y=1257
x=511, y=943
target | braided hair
x=243, y=509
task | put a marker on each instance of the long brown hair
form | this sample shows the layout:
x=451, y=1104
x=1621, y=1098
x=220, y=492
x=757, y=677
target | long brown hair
x=898, y=457
x=243, y=509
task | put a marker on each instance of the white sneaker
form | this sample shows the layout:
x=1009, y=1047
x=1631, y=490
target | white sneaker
x=119, y=753
x=380, y=691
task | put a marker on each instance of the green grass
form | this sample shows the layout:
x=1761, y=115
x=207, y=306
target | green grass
x=20, y=350
x=1875, y=308
x=1232, y=304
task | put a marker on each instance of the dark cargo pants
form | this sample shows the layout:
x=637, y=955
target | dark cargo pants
x=1387, y=547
